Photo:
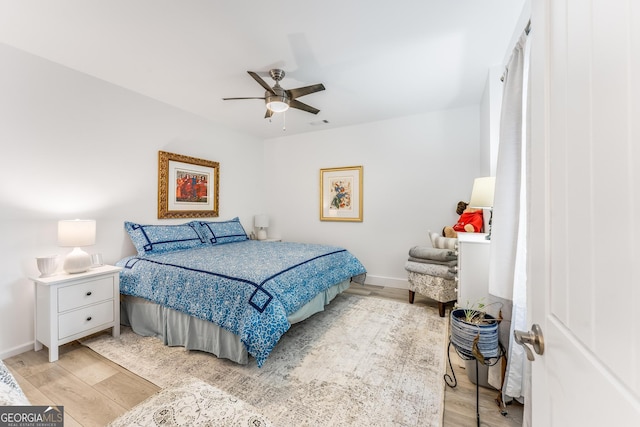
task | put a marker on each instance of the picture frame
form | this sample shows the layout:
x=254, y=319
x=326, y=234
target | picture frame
x=341, y=194
x=187, y=186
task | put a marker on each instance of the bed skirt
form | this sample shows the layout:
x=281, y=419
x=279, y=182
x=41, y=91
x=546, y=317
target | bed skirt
x=178, y=329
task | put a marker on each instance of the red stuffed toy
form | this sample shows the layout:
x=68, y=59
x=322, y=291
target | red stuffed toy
x=471, y=221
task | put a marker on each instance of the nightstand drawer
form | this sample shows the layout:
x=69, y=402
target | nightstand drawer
x=90, y=292
x=84, y=319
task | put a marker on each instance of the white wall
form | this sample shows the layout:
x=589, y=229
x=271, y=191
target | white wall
x=416, y=169
x=74, y=146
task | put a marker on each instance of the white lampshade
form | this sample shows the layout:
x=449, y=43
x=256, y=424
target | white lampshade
x=76, y=233
x=482, y=193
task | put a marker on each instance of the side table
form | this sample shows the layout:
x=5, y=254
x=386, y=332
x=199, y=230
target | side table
x=72, y=306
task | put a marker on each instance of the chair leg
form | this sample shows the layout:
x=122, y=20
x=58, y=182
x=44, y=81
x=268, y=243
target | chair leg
x=412, y=295
x=441, y=309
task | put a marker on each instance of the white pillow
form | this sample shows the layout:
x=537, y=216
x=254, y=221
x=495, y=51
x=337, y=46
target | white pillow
x=441, y=242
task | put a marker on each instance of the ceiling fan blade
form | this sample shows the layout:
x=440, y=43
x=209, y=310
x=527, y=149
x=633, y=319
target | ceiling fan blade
x=251, y=97
x=261, y=82
x=304, y=107
x=302, y=91
x=268, y=114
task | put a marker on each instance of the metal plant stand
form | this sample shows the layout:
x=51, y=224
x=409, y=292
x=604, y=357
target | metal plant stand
x=453, y=382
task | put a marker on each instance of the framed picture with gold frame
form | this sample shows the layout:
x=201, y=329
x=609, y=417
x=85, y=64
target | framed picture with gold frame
x=341, y=194
x=187, y=186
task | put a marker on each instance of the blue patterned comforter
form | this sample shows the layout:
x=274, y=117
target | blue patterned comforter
x=248, y=288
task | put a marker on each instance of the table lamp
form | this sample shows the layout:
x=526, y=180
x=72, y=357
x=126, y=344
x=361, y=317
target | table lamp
x=261, y=222
x=77, y=233
x=482, y=196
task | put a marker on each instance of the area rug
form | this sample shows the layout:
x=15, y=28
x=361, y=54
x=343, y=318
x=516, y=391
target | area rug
x=193, y=403
x=363, y=361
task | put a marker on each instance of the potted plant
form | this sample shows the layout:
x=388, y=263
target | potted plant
x=474, y=333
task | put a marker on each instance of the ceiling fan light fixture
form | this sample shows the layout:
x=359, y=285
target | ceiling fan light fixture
x=277, y=104
x=279, y=100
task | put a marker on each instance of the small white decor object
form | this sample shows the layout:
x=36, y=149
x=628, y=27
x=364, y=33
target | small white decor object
x=77, y=233
x=261, y=222
x=96, y=260
x=47, y=265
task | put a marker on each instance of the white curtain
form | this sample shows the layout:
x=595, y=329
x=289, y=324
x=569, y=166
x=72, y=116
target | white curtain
x=508, y=242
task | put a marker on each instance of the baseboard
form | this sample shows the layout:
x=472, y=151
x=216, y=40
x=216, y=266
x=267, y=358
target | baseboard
x=16, y=350
x=390, y=282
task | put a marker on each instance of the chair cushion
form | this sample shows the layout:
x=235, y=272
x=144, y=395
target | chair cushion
x=437, y=288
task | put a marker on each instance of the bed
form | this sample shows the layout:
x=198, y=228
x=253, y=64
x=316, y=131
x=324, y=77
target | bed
x=206, y=286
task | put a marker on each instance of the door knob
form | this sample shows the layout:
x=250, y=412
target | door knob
x=534, y=337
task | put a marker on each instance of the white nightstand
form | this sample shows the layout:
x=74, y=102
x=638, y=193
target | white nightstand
x=72, y=306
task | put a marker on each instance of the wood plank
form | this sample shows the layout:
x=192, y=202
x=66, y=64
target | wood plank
x=32, y=392
x=113, y=365
x=86, y=367
x=30, y=363
x=37, y=398
x=85, y=404
x=125, y=390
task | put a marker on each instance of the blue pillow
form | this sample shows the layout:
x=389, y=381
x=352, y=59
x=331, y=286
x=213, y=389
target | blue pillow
x=156, y=239
x=221, y=231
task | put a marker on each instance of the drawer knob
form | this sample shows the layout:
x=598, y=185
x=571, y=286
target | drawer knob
x=88, y=318
x=89, y=293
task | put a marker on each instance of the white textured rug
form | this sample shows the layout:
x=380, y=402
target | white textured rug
x=363, y=361
x=192, y=403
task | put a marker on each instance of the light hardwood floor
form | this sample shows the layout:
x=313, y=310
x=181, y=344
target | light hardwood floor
x=94, y=390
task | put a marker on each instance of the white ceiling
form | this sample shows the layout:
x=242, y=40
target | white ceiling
x=377, y=59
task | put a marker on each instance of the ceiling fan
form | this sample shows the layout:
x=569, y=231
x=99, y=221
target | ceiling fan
x=278, y=99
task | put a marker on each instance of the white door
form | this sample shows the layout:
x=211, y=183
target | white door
x=584, y=230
